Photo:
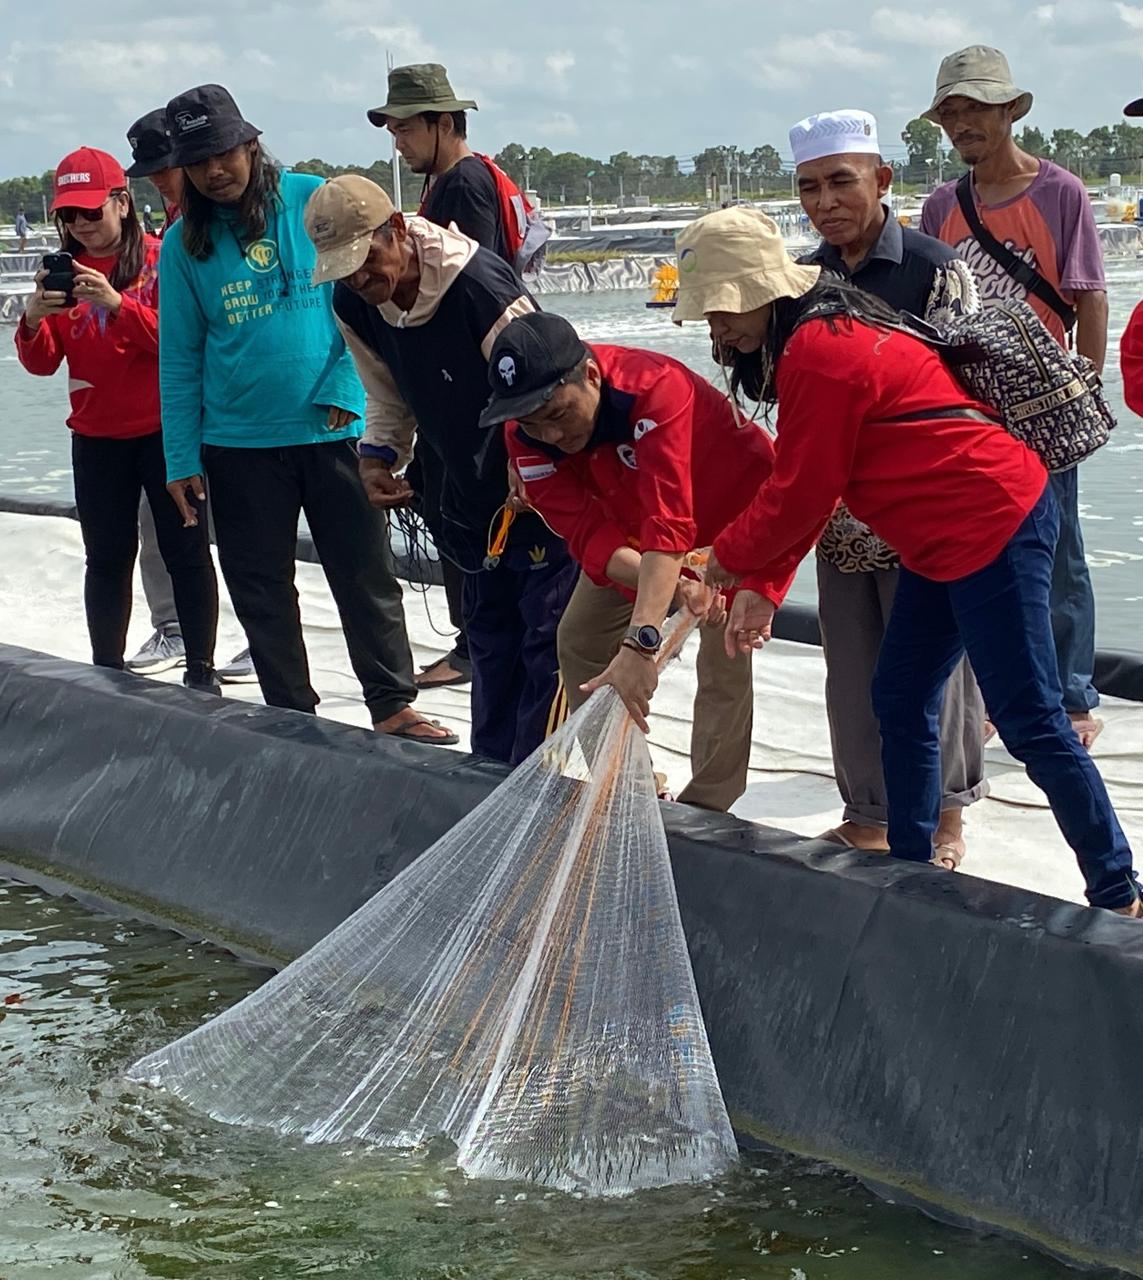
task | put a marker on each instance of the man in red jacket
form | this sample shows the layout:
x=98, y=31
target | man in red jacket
x=635, y=461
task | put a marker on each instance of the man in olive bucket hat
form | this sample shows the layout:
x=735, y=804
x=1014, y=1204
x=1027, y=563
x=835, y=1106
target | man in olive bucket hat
x=462, y=189
x=1035, y=238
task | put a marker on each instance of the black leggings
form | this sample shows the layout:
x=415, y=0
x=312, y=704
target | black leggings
x=109, y=475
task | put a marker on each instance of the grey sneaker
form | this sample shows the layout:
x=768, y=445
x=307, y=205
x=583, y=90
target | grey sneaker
x=162, y=652
x=239, y=670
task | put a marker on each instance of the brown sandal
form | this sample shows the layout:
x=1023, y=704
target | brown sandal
x=948, y=855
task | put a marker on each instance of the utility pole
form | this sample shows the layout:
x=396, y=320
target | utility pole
x=940, y=164
x=738, y=177
x=527, y=171
x=396, y=154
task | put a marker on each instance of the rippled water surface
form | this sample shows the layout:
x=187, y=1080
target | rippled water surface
x=101, y=1179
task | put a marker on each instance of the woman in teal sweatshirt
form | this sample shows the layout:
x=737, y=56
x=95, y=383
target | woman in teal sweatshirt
x=260, y=397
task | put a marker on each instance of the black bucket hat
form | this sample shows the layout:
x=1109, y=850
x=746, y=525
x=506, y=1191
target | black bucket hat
x=151, y=148
x=415, y=89
x=204, y=122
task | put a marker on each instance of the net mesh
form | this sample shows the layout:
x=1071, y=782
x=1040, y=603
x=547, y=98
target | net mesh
x=522, y=988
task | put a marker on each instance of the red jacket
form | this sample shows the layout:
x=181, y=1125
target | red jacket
x=112, y=365
x=666, y=469
x=1131, y=361
x=946, y=493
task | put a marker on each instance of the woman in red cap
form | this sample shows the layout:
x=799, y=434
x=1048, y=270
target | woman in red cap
x=106, y=329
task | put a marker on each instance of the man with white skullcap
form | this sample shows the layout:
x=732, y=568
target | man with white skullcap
x=843, y=181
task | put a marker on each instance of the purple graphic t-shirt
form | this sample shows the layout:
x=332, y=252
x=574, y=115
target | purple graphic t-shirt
x=1050, y=225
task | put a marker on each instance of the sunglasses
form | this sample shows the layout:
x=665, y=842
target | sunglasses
x=69, y=213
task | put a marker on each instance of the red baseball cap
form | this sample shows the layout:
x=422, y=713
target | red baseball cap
x=85, y=178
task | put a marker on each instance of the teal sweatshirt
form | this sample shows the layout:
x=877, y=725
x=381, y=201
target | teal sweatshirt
x=249, y=353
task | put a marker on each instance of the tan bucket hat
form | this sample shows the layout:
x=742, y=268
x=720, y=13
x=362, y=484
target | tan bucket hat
x=735, y=260
x=340, y=219
x=982, y=74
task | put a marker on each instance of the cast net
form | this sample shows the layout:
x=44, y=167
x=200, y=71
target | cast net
x=522, y=988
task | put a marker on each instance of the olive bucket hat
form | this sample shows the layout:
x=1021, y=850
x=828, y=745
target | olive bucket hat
x=982, y=74
x=735, y=260
x=415, y=89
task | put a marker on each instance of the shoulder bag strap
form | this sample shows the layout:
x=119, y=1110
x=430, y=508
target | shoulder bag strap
x=1020, y=271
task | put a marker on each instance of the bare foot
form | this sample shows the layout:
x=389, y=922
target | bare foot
x=855, y=836
x=1086, y=725
x=408, y=723
x=1133, y=909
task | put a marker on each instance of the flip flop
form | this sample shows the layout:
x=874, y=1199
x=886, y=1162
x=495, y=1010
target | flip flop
x=450, y=739
x=422, y=683
x=944, y=854
x=834, y=836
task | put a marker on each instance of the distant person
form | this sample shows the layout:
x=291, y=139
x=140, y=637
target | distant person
x=260, y=396
x=874, y=417
x=23, y=230
x=429, y=125
x=108, y=335
x=151, y=154
x=148, y=221
x=420, y=307
x=1037, y=240
x=636, y=461
x=842, y=183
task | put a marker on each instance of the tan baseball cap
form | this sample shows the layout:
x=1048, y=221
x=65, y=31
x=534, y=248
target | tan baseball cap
x=735, y=260
x=340, y=218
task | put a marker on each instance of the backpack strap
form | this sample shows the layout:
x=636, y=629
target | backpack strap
x=1020, y=271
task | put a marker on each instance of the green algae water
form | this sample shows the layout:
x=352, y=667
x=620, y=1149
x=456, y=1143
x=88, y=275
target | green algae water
x=100, y=1179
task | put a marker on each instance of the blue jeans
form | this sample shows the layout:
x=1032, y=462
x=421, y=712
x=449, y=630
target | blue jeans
x=1001, y=616
x=1072, y=601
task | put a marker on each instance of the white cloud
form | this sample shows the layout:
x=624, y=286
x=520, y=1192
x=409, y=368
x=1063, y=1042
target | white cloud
x=1044, y=13
x=782, y=65
x=1132, y=16
x=559, y=64
x=683, y=62
x=936, y=29
x=559, y=125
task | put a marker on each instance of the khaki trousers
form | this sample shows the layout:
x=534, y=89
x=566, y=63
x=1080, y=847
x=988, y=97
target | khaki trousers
x=588, y=638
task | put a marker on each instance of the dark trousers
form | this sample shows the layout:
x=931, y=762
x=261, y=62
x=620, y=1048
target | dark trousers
x=1001, y=616
x=257, y=496
x=454, y=594
x=109, y=477
x=511, y=614
x=1073, y=601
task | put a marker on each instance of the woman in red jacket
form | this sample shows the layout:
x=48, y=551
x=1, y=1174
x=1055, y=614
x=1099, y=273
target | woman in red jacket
x=873, y=417
x=106, y=329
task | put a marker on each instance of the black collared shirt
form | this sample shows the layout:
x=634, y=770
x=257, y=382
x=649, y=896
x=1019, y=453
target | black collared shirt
x=901, y=269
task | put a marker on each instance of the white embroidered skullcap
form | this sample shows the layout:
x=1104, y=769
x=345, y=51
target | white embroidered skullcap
x=834, y=133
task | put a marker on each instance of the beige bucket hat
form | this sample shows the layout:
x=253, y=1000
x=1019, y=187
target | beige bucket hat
x=982, y=74
x=735, y=260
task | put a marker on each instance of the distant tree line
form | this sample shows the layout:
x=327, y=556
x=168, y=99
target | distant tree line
x=921, y=157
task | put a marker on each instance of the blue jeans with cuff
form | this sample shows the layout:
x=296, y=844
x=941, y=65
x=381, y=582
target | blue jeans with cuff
x=1073, y=601
x=1000, y=615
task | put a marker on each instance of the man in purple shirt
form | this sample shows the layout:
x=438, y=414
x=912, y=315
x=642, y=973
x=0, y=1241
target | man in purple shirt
x=1041, y=214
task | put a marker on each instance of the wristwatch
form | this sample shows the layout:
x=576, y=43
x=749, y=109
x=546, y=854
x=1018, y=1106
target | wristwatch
x=646, y=640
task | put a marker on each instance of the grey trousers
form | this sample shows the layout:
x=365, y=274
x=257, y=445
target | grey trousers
x=156, y=580
x=588, y=638
x=853, y=609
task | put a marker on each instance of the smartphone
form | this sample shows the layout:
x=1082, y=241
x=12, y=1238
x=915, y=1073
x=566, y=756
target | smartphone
x=61, y=274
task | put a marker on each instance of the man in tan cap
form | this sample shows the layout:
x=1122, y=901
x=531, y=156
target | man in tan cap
x=420, y=307
x=1026, y=227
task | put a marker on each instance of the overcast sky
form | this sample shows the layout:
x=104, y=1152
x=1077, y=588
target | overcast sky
x=595, y=76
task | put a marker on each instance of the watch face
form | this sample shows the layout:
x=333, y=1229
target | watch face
x=649, y=637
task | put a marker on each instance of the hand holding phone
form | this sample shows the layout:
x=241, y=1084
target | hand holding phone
x=60, y=277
